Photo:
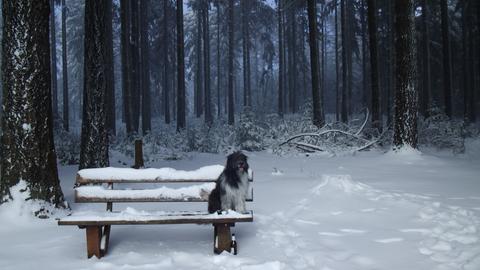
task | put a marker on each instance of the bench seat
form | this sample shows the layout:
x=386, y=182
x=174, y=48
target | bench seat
x=133, y=217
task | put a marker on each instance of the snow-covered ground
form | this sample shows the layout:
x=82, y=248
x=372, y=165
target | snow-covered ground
x=374, y=210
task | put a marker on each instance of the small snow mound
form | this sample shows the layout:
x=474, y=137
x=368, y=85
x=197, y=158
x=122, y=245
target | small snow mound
x=406, y=152
x=20, y=206
x=277, y=172
x=344, y=183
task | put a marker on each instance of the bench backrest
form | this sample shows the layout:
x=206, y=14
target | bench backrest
x=106, y=185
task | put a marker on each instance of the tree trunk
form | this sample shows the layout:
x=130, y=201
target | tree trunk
x=166, y=71
x=345, y=86
x=247, y=101
x=372, y=30
x=427, y=81
x=109, y=75
x=364, y=22
x=145, y=75
x=181, y=121
x=337, y=72
x=292, y=58
x=27, y=147
x=405, y=127
x=447, y=55
x=318, y=118
x=281, y=62
x=53, y=46
x=198, y=88
x=94, y=138
x=125, y=17
x=231, y=75
x=135, y=67
x=206, y=60
x=66, y=100
x=219, y=109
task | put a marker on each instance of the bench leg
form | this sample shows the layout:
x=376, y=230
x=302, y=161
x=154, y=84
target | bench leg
x=105, y=239
x=222, y=238
x=94, y=236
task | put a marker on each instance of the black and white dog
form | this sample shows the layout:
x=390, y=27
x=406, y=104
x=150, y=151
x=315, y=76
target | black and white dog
x=231, y=189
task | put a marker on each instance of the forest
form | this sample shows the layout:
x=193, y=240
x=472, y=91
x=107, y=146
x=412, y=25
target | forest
x=82, y=80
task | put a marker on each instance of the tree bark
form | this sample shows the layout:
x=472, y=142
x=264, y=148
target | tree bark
x=281, y=62
x=427, y=81
x=247, y=102
x=447, y=55
x=125, y=17
x=318, y=118
x=53, y=46
x=405, y=126
x=145, y=75
x=206, y=60
x=66, y=100
x=181, y=121
x=166, y=67
x=345, y=86
x=198, y=88
x=231, y=75
x=109, y=75
x=219, y=109
x=375, y=95
x=94, y=138
x=27, y=146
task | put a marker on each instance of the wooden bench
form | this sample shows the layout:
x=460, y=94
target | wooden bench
x=97, y=186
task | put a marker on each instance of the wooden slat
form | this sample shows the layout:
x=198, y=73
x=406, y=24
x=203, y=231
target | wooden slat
x=83, y=181
x=108, y=196
x=191, y=218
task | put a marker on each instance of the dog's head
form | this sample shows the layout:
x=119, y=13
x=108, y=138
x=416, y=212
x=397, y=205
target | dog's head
x=237, y=161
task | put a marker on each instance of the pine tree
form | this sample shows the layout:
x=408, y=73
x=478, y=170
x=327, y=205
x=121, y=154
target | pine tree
x=27, y=147
x=405, y=126
x=281, y=62
x=94, y=138
x=125, y=15
x=53, y=46
x=166, y=66
x=447, y=58
x=206, y=61
x=145, y=67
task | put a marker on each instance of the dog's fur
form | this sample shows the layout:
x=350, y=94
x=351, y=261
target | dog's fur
x=231, y=188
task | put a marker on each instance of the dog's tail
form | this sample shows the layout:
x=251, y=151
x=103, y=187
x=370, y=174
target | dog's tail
x=214, y=203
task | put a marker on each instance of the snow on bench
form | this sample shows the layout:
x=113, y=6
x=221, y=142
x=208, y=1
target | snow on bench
x=151, y=175
x=133, y=216
x=101, y=194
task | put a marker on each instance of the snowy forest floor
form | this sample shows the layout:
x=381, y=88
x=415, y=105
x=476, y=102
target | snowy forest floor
x=373, y=210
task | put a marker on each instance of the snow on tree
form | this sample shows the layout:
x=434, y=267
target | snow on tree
x=405, y=126
x=94, y=139
x=27, y=147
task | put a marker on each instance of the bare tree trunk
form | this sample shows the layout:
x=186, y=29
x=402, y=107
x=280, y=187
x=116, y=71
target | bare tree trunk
x=198, y=88
x=345, y=86
x=145, y=75
x=27, y=103
x=206, y=60
x=337, y=72
x=109, y=75
x=181, y=121
x=66, y=100
x=135, y=68
x=125, y=17
x=427, y=81
x=281, y=62
x=231, y=75
x=219, y=106
x=372, y=30
x=245, y=4
x=53, y=47
x=447, y=55
x=318, y=118
x=405, y=128
x=94, y=139
x=166, y=71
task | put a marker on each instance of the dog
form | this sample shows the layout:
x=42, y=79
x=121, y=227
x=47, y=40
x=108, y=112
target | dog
x=231, y=188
